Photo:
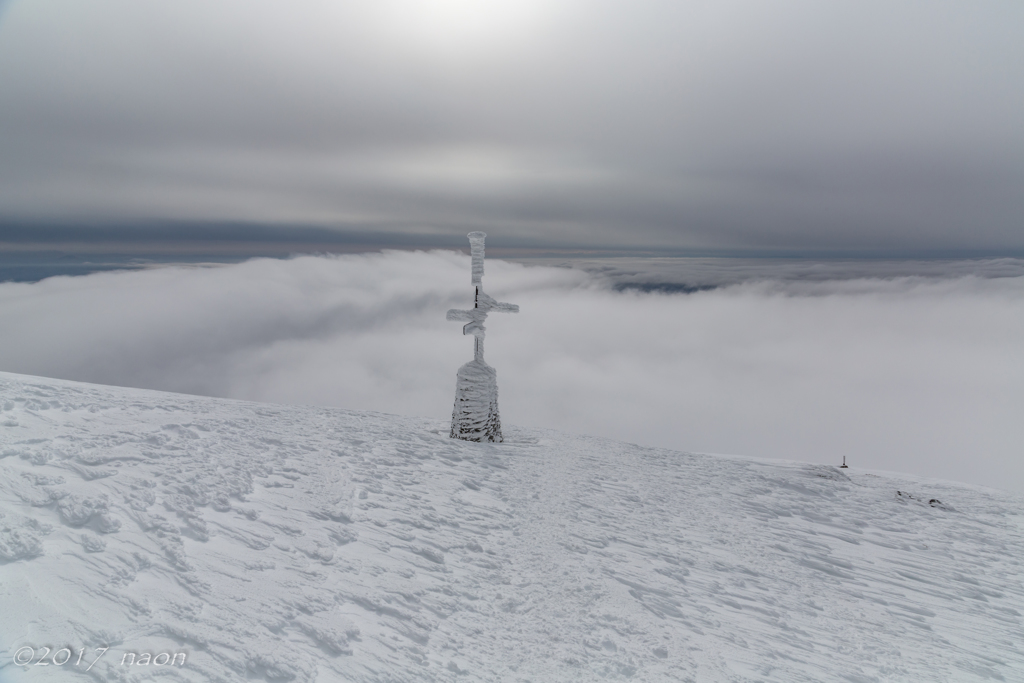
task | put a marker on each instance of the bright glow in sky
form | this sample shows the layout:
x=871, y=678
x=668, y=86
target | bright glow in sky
x=462, y=28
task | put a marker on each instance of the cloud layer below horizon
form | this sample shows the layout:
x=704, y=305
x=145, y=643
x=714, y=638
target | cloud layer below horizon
x=848, y=126
x=912, y=374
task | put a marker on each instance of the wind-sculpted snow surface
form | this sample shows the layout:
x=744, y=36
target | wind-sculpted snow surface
x=307, y=544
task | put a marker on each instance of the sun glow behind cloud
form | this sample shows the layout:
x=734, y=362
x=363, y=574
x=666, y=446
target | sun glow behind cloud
x=464, y=28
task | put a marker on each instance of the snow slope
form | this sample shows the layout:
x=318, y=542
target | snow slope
x=309, y=544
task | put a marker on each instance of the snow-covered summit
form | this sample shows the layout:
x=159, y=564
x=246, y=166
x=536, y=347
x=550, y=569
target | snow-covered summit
x=292, y=543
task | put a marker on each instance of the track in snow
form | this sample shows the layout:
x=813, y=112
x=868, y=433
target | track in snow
x=308, y=544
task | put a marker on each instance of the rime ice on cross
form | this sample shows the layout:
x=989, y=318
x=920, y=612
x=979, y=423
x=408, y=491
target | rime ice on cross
x=475, y=417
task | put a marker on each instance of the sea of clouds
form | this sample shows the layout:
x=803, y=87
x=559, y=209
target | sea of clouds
x=920, y=373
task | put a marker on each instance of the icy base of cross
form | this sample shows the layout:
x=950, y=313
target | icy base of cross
x=475, y=416
x=295, y=543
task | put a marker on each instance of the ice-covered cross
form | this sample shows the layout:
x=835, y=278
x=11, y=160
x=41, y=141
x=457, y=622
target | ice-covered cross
x=482, y=303
x=475, y=417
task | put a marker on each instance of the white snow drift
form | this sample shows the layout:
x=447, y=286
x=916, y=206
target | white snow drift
x=314, y=544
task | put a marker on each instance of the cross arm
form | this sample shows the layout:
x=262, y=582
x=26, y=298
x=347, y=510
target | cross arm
x=487, y=302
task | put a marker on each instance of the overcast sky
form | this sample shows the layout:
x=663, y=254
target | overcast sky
x=849, y=127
